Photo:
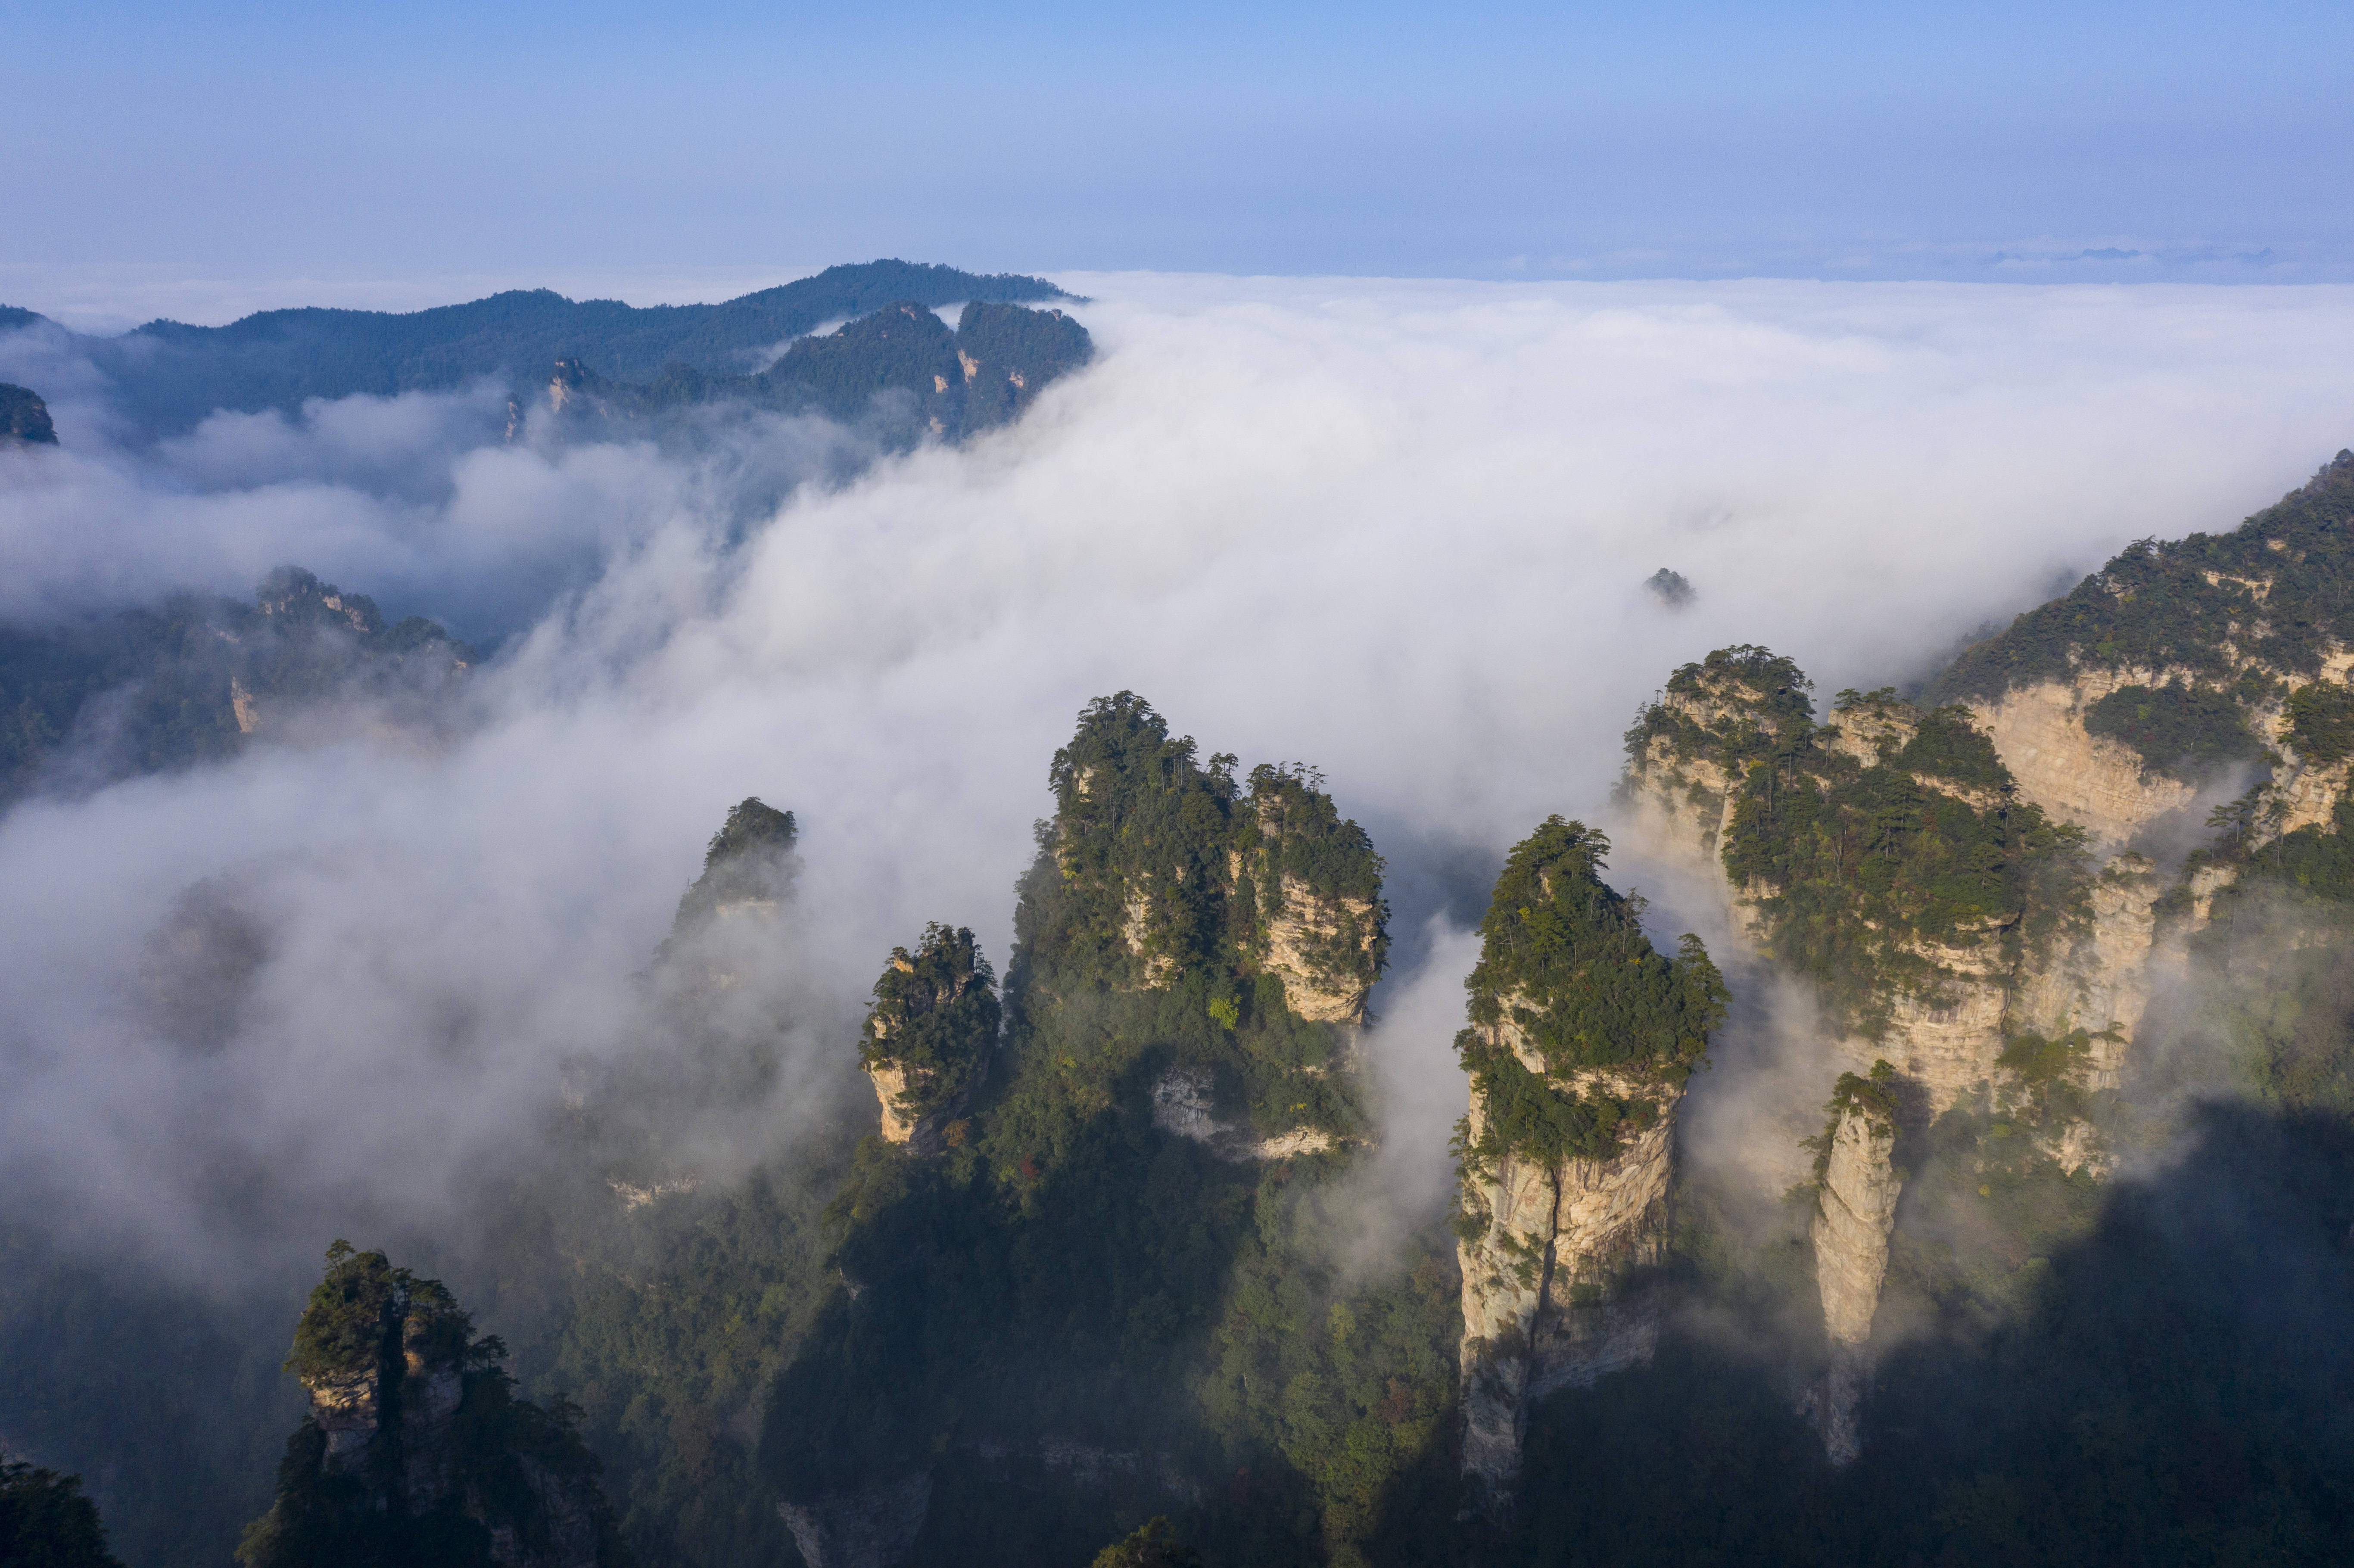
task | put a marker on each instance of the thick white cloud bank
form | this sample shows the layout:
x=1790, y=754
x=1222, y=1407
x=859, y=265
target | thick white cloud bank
x=1397, y=530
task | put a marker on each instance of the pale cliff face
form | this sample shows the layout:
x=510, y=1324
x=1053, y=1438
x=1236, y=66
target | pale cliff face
x=1302, y=930
x=1539, y=1312
x=1947, y=1038
x=1855, y=1211
x=2095, y=783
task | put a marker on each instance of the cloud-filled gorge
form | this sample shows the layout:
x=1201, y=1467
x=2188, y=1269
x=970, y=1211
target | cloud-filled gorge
x=1398, y=531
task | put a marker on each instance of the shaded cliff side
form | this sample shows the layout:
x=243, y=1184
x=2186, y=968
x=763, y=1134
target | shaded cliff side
x=25, y=417
x=1580, y=1041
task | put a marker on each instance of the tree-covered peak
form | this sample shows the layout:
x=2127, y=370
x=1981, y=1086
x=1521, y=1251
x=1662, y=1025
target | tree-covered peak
x=365, y=1310
x=933, y=1026
x=749, y=862
x=1122, y=750
x=1565, y=961
x=753, y=828
x=1767, y=687
x=24, y=416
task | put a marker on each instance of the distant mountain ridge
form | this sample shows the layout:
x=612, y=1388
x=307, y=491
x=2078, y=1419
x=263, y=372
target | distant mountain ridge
x=170, y=376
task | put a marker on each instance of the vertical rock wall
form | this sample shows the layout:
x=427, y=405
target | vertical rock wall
x=1855, y=1211
x=1542, y=1304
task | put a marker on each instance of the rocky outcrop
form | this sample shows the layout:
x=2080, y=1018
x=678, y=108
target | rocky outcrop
x=1855, y=1212
x=929, y=1037
x=1581, y=1037
x=748, y=867
x=415, y=1445
x=1939, y=1003
x=873, y=1527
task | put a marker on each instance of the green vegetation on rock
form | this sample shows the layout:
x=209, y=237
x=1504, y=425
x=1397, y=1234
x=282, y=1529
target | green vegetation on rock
x=47, y=1523
x=934, y=1021
x=2274, y=589
x=1868, y=844
x=188, y=680
x=433, y=1460
x=2192, y=731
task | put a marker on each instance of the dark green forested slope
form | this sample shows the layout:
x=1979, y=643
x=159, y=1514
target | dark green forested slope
x=170, y=376
x=23, y=417
x=47, y=1523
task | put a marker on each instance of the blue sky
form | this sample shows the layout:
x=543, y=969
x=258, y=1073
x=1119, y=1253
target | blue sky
x=2185, y=142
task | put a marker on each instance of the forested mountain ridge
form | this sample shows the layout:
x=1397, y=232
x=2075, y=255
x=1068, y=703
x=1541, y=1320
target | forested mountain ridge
x=169, y=376
x=1096, y=1283
x=901, y=367
x=1081, y=1255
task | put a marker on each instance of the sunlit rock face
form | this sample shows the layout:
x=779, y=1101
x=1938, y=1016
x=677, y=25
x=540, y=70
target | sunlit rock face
x=1861, y=827
x=1579, y=1042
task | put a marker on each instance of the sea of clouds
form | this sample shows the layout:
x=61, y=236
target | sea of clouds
x=1399, y=530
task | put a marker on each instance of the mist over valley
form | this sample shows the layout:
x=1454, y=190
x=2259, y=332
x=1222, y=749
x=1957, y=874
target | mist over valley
x=862, y=923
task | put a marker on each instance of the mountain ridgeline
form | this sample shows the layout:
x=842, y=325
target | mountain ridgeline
x=901, y=372
x=168, y=377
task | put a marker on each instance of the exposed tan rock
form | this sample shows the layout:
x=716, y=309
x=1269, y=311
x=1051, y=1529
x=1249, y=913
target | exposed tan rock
x=1314, y=987
x=2097, y=784
x=1945, y=1039
x=1541, y=1305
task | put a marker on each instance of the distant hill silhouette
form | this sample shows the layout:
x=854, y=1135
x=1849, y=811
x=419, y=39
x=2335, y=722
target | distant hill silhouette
x=169, y=376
